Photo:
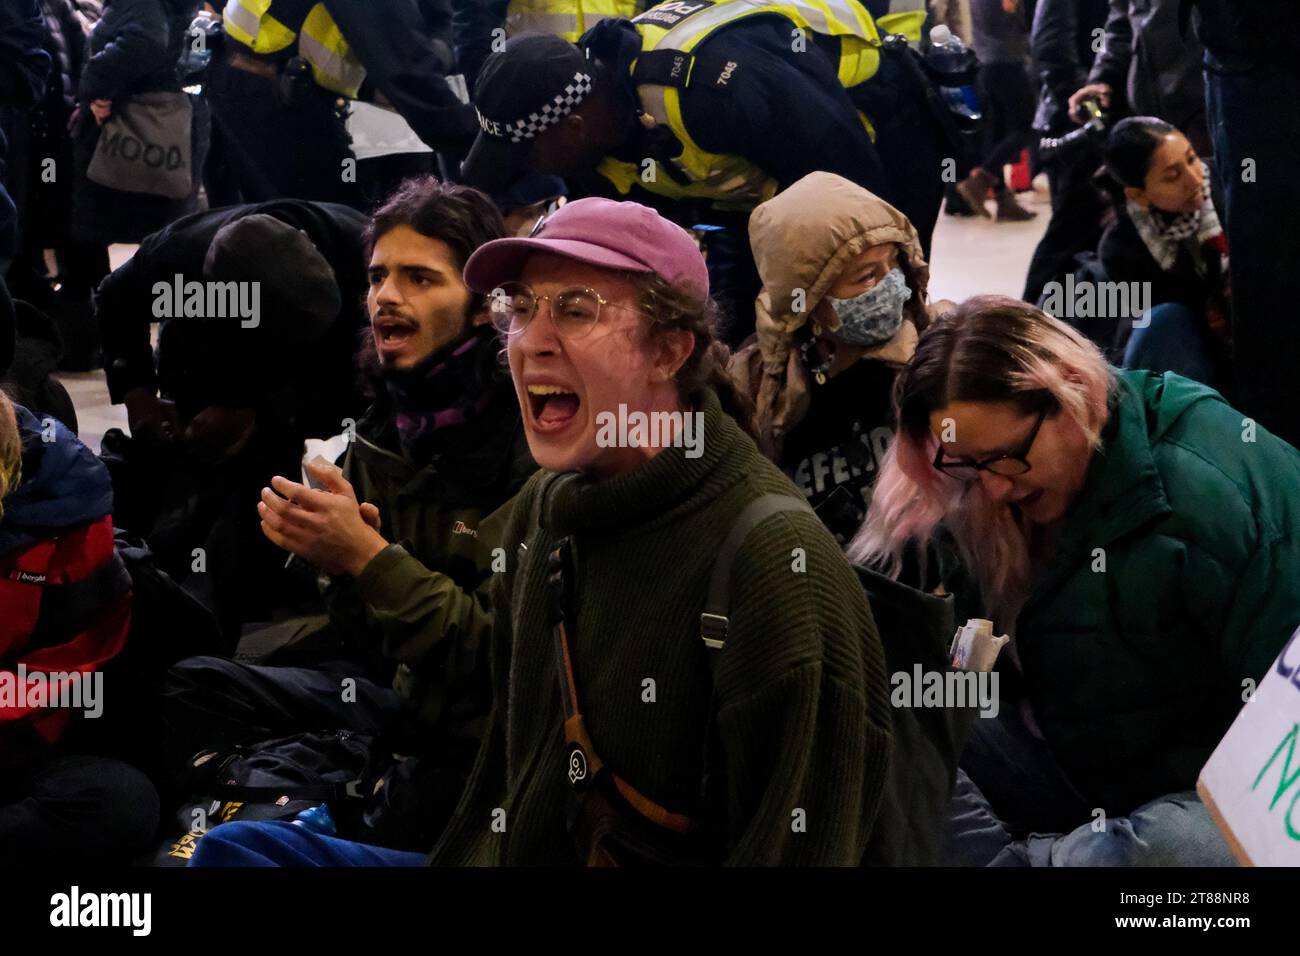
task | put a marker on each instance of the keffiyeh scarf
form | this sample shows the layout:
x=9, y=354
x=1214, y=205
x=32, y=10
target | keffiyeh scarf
x=1165, y=233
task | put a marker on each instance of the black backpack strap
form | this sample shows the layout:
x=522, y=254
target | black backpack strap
x=714, y=621
x=714, y=624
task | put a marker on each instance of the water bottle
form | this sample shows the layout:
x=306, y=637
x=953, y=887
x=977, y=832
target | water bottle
x=317, y=819
x=196, y=55
x=949, y=56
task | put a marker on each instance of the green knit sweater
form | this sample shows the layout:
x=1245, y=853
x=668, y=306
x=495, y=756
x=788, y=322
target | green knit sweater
x=802, y=697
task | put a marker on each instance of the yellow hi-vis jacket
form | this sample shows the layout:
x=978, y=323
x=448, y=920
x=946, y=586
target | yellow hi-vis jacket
x=320, y=42
x=682, y=25
x=565, y=18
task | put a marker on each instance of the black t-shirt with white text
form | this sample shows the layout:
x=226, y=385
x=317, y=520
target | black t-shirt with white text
x=834, y=454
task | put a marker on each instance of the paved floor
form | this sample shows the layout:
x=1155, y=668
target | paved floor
x=970, y=256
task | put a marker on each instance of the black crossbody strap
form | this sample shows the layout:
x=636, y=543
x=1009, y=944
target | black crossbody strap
x=559, y=580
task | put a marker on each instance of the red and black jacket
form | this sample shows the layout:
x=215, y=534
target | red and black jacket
x=65, y=594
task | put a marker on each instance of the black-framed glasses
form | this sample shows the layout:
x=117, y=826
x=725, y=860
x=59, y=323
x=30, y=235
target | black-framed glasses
x=574, y=311
x=1008, y=466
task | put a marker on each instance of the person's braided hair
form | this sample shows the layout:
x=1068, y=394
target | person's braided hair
x=11, y=450
x=676, y=308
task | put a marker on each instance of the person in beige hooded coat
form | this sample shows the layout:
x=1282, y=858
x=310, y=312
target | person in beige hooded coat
x=822, y=403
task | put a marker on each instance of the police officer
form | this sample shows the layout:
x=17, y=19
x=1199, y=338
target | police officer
x=705, y=108
x=279, y=88
x=482, y=23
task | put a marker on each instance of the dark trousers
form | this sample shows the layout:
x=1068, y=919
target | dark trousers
x=1255, y=127
x=1009, y=114
x=45, y=220
x=274, y=151
x=1075, y=225
x=1174, y=339
x=76, y=808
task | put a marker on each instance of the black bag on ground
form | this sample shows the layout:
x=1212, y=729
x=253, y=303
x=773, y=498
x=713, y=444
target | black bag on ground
x=915, y=628
x=275, y=780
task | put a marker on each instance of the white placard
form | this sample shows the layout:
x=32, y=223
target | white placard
x=1251, y=782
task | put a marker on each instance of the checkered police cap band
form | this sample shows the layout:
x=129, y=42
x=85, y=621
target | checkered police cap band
x=536, y=122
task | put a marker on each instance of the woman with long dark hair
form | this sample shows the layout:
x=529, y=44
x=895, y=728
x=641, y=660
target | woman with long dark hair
x=1167, y=239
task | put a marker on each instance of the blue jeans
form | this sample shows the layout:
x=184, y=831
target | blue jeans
x=1026, y=787
x=1172, y=341
x=279, y=843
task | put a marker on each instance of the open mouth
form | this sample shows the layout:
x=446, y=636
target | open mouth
x=393, y=332
x=553, y=407
x=1028, y=501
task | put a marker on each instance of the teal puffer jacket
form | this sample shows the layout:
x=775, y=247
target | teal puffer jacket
x=1175, y=581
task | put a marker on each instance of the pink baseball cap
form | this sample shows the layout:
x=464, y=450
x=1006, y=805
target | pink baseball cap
x=600, y=232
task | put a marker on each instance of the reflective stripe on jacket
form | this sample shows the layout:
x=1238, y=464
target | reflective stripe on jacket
x=569, y=19
x=681, y=26
x=319, y=40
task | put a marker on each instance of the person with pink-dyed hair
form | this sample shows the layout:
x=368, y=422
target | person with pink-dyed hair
x=1137, y=539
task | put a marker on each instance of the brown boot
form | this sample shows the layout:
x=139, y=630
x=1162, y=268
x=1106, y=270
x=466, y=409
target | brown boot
x=1011, y=211
x=975, y=190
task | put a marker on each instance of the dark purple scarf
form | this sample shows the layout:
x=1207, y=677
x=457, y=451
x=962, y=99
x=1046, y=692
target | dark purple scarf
x=448, y=389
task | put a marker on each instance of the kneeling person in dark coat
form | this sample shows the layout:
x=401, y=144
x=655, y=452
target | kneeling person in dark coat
x=259, y=309
x=406, y=533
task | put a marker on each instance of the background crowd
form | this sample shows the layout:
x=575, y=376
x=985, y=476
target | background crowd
x=362, y=578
